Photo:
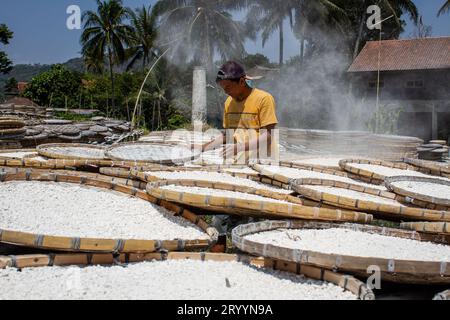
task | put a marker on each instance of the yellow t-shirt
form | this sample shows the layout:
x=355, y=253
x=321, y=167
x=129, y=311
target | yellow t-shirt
x=247, y=117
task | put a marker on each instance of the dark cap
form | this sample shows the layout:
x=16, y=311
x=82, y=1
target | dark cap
x=231, y=70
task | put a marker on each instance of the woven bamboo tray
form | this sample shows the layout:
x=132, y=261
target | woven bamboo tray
x=12, y=131
x=56, y=151
x=166, y=159
x=428, y=227
x=293, y=209
x=384, y=210
x=370, y=176
x=445, y=295
x=145, y=173
x=3, y=153
x=11, y=123
x=431, y=167
x=346, y=282
x=401, y=271
x=444, y=202
x=102, y=245
x=288, y=181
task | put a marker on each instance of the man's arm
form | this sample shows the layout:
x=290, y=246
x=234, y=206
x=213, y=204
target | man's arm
x=265, y=139
x=218, y=141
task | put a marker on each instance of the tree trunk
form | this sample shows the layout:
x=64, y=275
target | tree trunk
x=302, y=50
x=111, y=72
x=208, y=52
x=360, y=32
x=280, y=27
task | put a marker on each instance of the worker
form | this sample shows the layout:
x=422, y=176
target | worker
x=249, y=118
x=250, y=121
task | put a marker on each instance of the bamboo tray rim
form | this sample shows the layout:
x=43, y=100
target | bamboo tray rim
x=430, y=165
x=346, y=165
x=293, y=208
x=41, y=149
x=347, y=263
x=427, y=227
x=347, y=282
x=401, y=211
x=75, y=244
x=417, y=195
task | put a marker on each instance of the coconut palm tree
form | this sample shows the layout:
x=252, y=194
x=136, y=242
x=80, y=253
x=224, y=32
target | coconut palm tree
x=445, y=8
x=143, y=22
x=205, y=26
x=271, y=15
x=106, y=35
x=392, y=7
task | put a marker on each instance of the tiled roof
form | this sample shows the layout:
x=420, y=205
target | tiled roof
x=400, y=55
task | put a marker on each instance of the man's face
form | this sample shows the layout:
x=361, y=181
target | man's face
x=233, y=88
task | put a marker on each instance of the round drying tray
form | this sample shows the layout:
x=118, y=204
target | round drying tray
x=432, y=167
x=444, y=295
x=397, y=169
x=151, y=153
x=428, y=227
x=430, y=190
x=346, y=282
x=36, y=162
x=11, y=132
x=254, y=202
x=78, y=244
x=11, y=123
x=317, y=177
x=403, y=271
x=73, y=151
x=16, y=154
x=379, y=206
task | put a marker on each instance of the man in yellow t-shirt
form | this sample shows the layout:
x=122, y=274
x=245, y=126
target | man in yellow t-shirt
x=249, y=117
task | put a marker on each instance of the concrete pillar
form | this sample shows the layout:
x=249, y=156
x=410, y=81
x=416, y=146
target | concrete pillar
x=434, y=122
x=199, y=103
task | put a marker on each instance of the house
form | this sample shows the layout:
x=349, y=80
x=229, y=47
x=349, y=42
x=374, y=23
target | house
x=414, y=75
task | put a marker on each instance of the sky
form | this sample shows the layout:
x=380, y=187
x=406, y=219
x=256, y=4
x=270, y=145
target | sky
x=41, y=35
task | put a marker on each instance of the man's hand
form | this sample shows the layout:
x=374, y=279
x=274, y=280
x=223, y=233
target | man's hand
x=229, y=151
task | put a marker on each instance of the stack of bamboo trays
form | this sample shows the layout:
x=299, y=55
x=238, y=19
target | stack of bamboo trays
x=323, y=142
x=11, y=128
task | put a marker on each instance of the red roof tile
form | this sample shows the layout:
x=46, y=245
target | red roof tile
x=396, y=55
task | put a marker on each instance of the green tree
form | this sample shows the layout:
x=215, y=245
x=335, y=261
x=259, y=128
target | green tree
x=253, y=60
x=106, y=35
x=357, y=11
x=5, y=62
x=11, y=86
x=57, y=87
x=445, y=8
x=143, y=22
x=206, y=27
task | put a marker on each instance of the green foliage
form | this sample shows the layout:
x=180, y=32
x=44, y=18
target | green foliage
x=5, y=62
x=11, y=86
x=55, y=88
x=387, y=118
x=253, y=60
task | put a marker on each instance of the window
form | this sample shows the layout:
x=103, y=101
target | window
x=414, y=84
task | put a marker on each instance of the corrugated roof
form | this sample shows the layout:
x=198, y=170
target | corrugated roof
x=398, y=55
